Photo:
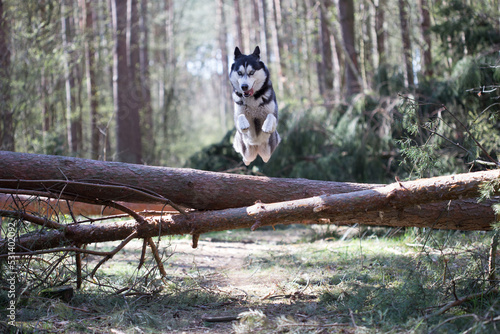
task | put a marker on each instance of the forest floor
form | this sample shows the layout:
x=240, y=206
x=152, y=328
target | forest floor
x=298, y=279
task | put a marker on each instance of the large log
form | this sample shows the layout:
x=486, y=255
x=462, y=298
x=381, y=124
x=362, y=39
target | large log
x=193, y=188
x=443, y=202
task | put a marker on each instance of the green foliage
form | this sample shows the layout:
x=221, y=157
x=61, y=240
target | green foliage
x=216, y=157
x=348, y=144
x=456, y=124
x=451, y=123
x=407, y=289
x=467, y=29
x=388, y=80
x=356, y=141
x=488, y=189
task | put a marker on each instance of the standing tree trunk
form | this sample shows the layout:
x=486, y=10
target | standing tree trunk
x=46, y=110
x=134, y=69
x=222, y=41
x=253, y=21
x=380, y=31
x=239, y=26
x=88, y=28
x=264, y=39
x=275, y=26
x=128, y=134
x=405, y=37
x=147, y=109
x=307, y=34
x=367, y=43
x=381, y=48
x=425, y=26
x=7, y=125
x=167, y=88
x=69, y=78
x=77, y=123
x=346, y=17
x=326, y=49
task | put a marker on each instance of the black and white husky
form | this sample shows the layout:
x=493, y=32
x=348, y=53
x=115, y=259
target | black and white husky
x=255, y=108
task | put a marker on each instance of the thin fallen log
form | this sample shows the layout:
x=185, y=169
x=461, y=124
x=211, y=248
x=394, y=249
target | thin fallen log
x=50, y=207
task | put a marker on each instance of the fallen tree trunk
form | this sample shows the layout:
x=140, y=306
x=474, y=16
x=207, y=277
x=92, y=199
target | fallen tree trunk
x=465, y=215
x=49, y=185
x=51, y=207
x=388, y=206
x=115, y=181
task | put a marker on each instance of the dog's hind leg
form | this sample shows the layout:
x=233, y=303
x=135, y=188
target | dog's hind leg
x=265, y=152
x=249, y=152
x=267, y=149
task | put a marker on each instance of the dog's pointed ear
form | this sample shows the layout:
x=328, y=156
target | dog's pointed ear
x=237, y=52
x=256, y=52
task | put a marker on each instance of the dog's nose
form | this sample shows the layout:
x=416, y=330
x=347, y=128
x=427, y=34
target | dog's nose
x=244, y=87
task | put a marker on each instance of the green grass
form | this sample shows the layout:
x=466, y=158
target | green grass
x=388, y=286
x=373, y=284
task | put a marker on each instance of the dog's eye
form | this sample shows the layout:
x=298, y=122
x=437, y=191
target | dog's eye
x=251, y=72
x=239, y=73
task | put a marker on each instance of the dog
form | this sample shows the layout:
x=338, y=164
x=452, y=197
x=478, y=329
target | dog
x=255, y=107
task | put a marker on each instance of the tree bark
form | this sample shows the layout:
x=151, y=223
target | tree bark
x=255, y=31
x=274, y=26
x=346, y=17
x=326, y=48
x=367, y=49
x=147, y=108
x=425, y=26
x=380, y=31
x=71, y=117
x=88, y=28
x=225, y=105
x=7, y=125
x=383, y=81
x=407, y=48
x=239, y=26
x=126, y=105
x=264, y=32
x=196, y=189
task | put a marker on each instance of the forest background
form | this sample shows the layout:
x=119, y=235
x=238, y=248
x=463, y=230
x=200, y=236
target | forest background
x=367, y=89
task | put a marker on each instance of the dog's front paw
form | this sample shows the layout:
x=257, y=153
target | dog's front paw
x=269, y=125
x=243, y=124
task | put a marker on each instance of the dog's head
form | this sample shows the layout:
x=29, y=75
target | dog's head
x=248, y=72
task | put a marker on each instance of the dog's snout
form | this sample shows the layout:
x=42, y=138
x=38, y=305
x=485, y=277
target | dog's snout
x=244, y=87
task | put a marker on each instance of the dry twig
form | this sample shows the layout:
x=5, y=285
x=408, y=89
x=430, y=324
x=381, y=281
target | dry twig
x=460, y=301
x=157, y=257
x=116, y=250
